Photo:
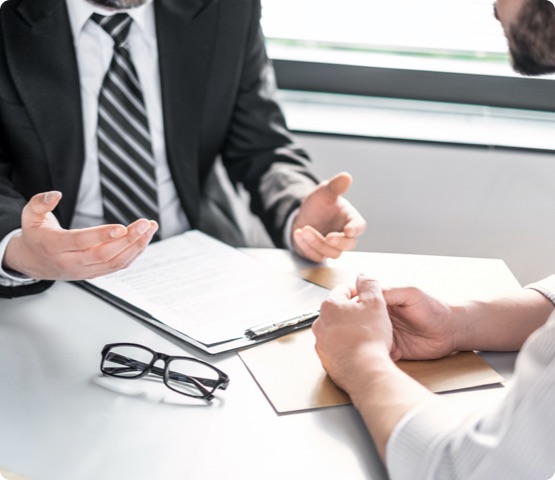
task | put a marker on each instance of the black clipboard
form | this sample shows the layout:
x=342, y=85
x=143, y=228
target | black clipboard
x=258, y=331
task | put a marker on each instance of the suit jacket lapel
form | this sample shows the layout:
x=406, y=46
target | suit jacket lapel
x=185, y=31
x=40, y=51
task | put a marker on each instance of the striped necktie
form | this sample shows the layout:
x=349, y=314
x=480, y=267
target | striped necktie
x=126, y=162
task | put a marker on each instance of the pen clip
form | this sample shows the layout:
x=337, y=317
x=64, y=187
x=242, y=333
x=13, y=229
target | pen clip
x=294, y=323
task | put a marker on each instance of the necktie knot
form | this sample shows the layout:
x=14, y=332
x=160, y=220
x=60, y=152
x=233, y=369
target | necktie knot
x=117, y=26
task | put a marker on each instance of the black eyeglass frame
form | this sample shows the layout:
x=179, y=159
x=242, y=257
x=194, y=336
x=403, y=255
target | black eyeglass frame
x=200, y=383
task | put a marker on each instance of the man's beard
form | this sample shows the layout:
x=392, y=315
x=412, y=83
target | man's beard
x=118, y=3
x=532, y=39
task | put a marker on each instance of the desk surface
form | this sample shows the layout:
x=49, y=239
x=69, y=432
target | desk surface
x=60, y=419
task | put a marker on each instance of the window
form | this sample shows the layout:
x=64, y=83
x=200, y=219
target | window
x=439, y=50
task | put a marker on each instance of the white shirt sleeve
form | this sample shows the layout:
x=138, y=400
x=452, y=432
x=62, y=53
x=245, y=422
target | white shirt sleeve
x=287, y=231
x=515, y=440
x=11, y=279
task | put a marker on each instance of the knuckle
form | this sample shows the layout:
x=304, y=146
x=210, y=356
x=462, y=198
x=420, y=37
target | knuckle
x=100, y=255
x=328, y=305
x=49, y=247
x=48, y=250
x=316, y=257
x=80, y=242
x=116, y=264
x=61, y=268
x=414, y=290
x=375, y=301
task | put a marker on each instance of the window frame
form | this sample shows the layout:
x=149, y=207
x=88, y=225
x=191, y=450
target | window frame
x=451, y=87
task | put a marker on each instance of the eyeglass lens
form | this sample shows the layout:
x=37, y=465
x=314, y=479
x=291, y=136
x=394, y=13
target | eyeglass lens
x=184, y=376
x=126, y=361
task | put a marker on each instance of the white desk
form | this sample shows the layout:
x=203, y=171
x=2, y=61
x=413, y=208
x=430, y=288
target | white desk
x=60, y=419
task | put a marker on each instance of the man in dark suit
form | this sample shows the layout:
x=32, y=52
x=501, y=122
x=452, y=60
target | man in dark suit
x=208, y=88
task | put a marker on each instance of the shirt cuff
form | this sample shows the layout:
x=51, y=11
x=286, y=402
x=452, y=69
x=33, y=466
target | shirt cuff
x=9, y=278
x=287, y=230
x=546, y=287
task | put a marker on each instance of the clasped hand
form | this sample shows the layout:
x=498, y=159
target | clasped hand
x=366, y=324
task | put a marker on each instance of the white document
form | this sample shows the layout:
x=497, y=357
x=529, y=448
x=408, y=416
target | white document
x=209, y=291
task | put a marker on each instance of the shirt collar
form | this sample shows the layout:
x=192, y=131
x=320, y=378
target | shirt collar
x=81, y=10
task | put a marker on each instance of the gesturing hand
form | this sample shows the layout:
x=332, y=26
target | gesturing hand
x=45, y=251
x=327, y=224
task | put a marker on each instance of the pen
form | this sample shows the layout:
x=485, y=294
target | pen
x=264, y=329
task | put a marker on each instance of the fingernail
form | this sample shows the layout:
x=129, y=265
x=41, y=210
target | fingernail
x=118, y=232
x=49, y=197
x=309, y=236
x=143, y=227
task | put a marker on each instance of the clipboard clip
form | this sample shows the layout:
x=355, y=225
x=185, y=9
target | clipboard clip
x=294, y=323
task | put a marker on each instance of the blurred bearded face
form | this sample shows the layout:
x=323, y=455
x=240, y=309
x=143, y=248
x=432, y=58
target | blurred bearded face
x=118, y=3
x=531, y=36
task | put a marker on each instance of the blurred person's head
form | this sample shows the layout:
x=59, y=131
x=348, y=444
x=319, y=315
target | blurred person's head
x=529, y=26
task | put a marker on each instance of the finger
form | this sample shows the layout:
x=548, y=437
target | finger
x=125, y=257
x=79, y=240
x=337, y=298
x=398, y=296
x=368, y=288
x=87, y=238
x=309, y=253
x=314, y=243
x=339, y=184
x=315, y=327
x=395, y=353
x=40, y=205
x=143, y=242
x=129, y=255
x=356, y=225
x=108, y=251
x=304, y=249
x=340, y=293
x=340, y=242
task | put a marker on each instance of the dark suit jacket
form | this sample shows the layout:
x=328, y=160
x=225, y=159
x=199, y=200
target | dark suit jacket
x=218, y=101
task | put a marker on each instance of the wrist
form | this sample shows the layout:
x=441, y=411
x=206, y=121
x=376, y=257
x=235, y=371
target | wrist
x=9, y=276
x=367, y=368
x=10, y=254
x=460, y=319
x=502, y=323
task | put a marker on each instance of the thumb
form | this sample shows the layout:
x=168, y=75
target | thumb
x=339, y=184
x=368, y=289
x=401, y=296
x=41, y=204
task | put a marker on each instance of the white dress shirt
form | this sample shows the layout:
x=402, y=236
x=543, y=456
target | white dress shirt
x=514, y=441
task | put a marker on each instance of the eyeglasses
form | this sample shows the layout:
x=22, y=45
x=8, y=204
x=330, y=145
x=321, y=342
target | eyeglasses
x=185, y=375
